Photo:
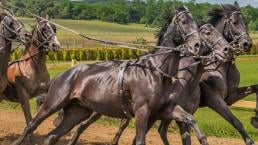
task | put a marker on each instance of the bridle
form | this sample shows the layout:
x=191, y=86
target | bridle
x=231, y=35
x=175, y=22
x=42, y=36
x=214, y=43
x=39, y=44
x=10, y=30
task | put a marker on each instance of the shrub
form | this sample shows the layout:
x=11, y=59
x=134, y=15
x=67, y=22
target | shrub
x=110, y=55
x=51, y=55
x=117, y=54
x=75, y=55
x=125, y=54
x=101, y=54
x=67, y=55
x=91, y=54
x=59, y=55
x=253, y=50
x=83, y=55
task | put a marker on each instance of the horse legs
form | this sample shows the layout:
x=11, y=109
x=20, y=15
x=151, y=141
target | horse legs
x=73, y=115
x=141, y=119
x=241, y=93
x=124, y=123
x=45, y=111
x=84, y=125
x=151, y=122
x=216, y=102
x=59, y=118
x=254, y=120
x=24, y=98
x=185, y=133
x=180, y=115
x=163, y=129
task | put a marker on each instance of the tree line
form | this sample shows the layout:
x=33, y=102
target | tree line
x=149, y=12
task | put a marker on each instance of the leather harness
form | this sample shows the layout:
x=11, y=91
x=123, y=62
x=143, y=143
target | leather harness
x=122, y=97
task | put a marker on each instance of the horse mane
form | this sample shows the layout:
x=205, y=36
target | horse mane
x=217, y=13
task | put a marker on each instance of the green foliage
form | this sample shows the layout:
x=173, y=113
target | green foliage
x=59, y=56
x=67, y=55
x=51, y=55
x=254, y=50
x=75, y=54
x=149, y=12
x=118, y=54
x=83, y=55
x=125, y=54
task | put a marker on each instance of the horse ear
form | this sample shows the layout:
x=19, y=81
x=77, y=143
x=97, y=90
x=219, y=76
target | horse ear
x=223, y=7
x=38, y=19
x=186, y=8
x=48, y=17
x=174, y=8
x=236, y=4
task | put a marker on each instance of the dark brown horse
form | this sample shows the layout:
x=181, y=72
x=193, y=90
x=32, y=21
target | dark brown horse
x=11, y=30
x=28, y=76
x=186, y=82
x=146, y=87
x=230, y=22
x=220, y=88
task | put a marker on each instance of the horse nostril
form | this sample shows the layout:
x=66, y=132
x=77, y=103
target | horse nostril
x=245, y=45
x=54, y=45
x=226, y=49
x=197, y=47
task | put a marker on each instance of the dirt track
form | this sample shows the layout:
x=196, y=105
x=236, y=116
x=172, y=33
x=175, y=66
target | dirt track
x=12, y=124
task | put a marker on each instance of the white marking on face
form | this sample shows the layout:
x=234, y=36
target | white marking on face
x=56, y=41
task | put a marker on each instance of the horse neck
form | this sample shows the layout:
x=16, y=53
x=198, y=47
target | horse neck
x=190, y=75
x=37, y=56
x=225, y=67
x=5, y=50
x=168, y=63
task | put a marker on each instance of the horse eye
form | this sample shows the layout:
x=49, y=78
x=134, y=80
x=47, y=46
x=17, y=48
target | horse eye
x=208, y=32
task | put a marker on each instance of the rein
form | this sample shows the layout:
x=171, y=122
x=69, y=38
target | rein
x=234, y=38
x=184, y=35
x=5, y=26
x=41, y=44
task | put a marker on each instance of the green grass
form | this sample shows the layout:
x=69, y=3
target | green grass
x=214, y=125
x=99, y=29
x=210, y=122
x=248, y=67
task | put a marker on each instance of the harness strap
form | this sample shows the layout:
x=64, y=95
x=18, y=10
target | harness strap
x=122, y=97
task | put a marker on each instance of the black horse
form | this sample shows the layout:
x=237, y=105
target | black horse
x=11, y=30
x=142, y=89
x=185, y=83
x=220, y=88
x=230, y=22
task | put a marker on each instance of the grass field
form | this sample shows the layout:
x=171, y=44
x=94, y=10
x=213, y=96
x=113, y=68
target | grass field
x=210, y=122
x=98, y=29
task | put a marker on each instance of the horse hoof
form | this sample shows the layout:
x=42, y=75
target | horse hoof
x=50, y=140
x=57, y=121
x=113, y=143
x=31, y=138
x=204, y=142
x=249, y=142
x=254, y=121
